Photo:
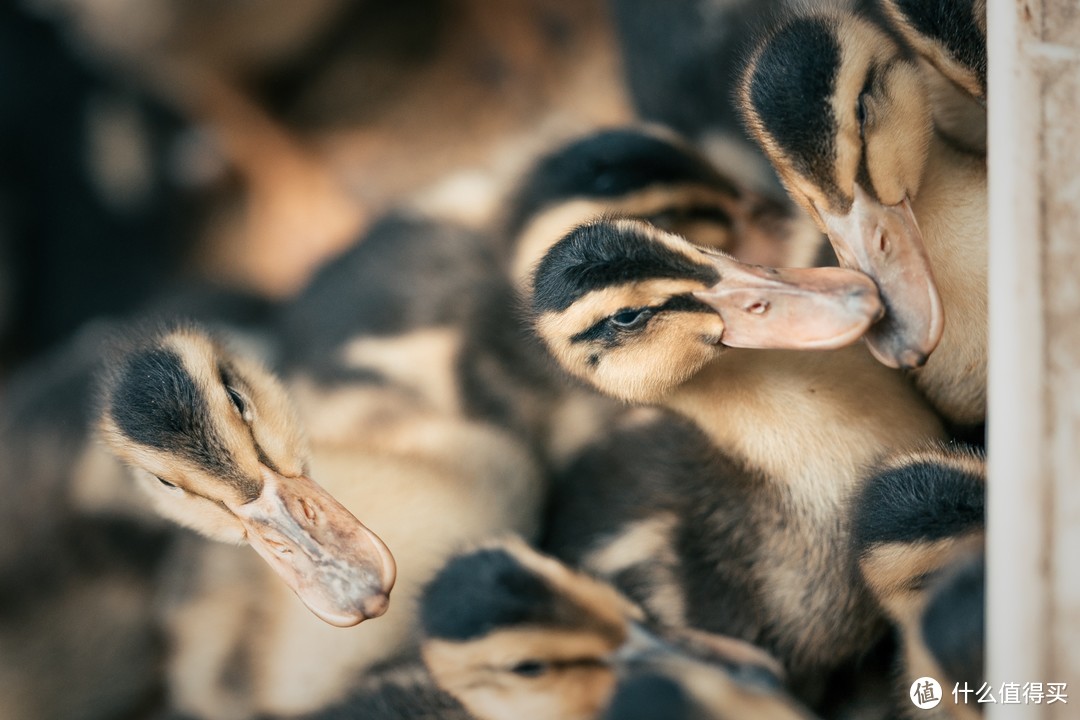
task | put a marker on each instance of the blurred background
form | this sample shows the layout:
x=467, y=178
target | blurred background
x=149, y=142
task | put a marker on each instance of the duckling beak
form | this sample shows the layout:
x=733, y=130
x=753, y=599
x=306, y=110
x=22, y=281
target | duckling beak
x=884, y=241
x=341, y=570
x=791, y=309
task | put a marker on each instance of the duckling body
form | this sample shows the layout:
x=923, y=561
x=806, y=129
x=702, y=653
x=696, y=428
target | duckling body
x=682, y=61
x=851, y=135
x=794, y=432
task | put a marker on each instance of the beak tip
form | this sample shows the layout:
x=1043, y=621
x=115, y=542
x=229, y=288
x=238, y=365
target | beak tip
x=911, y=359
x=375, y=605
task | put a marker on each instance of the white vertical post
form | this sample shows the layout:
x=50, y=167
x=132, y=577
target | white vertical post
x=1034, y=413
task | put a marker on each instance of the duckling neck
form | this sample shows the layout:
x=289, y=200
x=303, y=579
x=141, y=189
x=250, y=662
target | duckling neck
x=806, y=419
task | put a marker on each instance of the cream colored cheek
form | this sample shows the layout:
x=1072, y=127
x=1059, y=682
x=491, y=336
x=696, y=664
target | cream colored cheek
x=895, y=158
x=897, y=152
x=198, y=514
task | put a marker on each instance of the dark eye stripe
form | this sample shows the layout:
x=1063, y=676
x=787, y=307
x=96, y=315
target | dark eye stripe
x=610, y=335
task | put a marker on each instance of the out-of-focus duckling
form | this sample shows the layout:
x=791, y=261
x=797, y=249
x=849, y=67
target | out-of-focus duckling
x=951, y=39
x=220, y=449
x=951, y=642
x=842, y=112
x=80, y=554
x=653, y=175
x=512, y=633
x=681, y=59
x=951, y=35
x=920, y=515
x=915, y=510
x=644, y=316
x=409, y=275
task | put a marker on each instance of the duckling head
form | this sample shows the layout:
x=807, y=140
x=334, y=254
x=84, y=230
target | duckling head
x=512, y=633
x=214, y=440
x=842, y=113
x=653, y=175
x=636, y=311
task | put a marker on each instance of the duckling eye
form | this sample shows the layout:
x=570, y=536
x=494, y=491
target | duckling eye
x=861, y=111
x=530, y=668
x=238, y=403
x=630, y=318
x=169, y=486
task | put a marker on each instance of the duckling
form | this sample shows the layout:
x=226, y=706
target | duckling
x=530, y=613
x=951, y=641
x=645, y=172
x=950, y=39
x=378, y=397
x=920, y=515
x=80, y=556
x=644, y=316
x=218, y=446
x=241, y=644
x=513, y=633
x=950, y=35
x=681, y=60
x=651, y=174
x=842, y=112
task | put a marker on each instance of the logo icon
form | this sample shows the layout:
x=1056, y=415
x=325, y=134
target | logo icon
x=925, y=693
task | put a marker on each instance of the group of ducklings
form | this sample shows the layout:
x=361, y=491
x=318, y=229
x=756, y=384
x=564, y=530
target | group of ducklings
x=775, y=523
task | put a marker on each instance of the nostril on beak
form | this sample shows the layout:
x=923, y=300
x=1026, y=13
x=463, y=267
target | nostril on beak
x=308, y=509
x=883, y=243
x=758, y=308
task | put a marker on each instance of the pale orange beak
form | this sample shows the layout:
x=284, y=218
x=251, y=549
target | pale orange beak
x=341, y=570
x=884, y=241
x=791, y=309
